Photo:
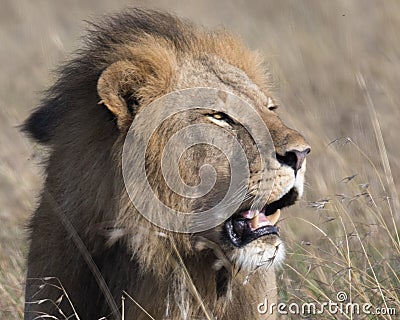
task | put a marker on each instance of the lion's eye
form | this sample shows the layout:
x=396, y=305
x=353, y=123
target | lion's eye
x=221, y=118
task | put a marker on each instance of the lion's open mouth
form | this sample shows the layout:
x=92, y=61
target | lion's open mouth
x=246, y=226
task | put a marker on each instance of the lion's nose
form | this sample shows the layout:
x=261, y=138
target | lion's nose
x=294, y=158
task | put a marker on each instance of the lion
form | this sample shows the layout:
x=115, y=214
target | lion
x=92, y=255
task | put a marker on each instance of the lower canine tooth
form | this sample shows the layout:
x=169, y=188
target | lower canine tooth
x=273, y=218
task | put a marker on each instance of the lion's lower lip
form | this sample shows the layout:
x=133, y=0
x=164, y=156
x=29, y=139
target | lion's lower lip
x=240, y=233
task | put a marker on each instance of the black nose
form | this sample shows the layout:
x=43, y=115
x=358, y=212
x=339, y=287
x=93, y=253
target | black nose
x=293, y=158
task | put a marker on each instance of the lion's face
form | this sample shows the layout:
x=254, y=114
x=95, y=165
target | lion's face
x=250, y=237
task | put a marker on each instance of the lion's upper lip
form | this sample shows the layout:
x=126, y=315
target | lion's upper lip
x=247, y=225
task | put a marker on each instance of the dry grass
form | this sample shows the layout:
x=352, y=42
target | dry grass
x=338, y=66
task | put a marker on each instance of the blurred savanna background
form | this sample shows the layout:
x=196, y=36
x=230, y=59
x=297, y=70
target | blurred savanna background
x=337, y=70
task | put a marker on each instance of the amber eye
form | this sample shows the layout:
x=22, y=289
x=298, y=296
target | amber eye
x=221, y=118
x=218, y=116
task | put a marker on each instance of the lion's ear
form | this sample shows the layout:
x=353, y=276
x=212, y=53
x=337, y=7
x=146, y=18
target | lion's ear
x=117, y=88
x=126, y=83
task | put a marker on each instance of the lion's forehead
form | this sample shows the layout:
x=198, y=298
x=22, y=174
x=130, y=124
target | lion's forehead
x=214, y=72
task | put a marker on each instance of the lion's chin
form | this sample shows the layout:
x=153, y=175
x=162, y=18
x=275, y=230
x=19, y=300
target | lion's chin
x=265, y=252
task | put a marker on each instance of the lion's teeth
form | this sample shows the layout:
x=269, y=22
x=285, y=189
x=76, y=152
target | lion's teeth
x=273, y=218
x=258, y=219
x=254, y=222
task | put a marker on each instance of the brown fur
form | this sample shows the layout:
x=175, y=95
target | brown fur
x=129, y=61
